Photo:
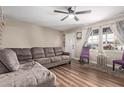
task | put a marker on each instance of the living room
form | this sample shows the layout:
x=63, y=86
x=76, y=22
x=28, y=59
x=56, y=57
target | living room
x=61, y=46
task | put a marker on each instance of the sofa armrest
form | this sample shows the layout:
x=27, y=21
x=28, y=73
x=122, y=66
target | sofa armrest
x=66, y=53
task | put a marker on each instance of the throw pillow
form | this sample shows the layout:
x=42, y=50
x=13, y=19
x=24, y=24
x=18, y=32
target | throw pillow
x=9, y=59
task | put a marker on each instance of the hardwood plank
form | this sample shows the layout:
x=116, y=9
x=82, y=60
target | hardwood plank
x=78, y=75
x=100, y=75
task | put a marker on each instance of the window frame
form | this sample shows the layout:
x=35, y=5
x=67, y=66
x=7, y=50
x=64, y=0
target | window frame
x=106, y=40
x=92, y=40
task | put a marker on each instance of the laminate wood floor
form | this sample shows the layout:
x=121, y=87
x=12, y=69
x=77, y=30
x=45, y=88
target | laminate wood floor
x=79, y=75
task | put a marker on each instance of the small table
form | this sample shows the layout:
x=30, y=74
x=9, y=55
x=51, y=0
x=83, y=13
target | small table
x=102, y=61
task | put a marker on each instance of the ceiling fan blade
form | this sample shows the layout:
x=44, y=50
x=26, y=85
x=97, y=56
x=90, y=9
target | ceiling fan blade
x=57, y=11
x=64, y=18
x=76, y=18
x=83, y=12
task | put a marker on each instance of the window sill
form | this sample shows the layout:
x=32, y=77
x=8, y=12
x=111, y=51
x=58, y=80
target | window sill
x=112, y=51
x=115, y=51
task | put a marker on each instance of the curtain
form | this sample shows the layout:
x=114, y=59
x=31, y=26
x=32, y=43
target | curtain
x=2, y=25
x=80, y=44
x=118, y=29
x=86, y=35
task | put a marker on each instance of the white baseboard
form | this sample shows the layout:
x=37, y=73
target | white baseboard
x=94, y=62
x=109, y=65
x=76, y=58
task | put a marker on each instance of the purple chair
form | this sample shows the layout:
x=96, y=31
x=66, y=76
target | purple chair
x=84, y=54
x=119, y=62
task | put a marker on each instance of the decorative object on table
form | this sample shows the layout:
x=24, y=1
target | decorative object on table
x=79, y=35
x=84, y=54
x=108, y=47
x=119, y=62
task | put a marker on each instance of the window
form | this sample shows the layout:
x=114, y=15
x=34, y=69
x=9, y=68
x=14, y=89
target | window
x=93, y=39
x=109, y=39
x=118, y=46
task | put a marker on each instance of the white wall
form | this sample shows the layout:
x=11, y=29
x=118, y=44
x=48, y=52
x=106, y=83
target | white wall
x=70, y=44
x=22, y=34
x=79, y=42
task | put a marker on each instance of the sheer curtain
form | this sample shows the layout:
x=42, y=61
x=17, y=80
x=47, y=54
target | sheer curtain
x=2, y=25
x=84, y=40
x=118, y=29
x=86, y=35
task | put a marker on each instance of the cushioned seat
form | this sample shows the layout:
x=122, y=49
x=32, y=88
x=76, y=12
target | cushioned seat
x=64, y=57
x=43, y=60
x=121, y=62
x=49, y=52
x=23, y=54
x=3, y=68
x=56, y=59
x=29, y=74
x=58, y=51
x=85, y=56
x=9, y=59
x=37, y=52
x=50, y=56
x=26, y=61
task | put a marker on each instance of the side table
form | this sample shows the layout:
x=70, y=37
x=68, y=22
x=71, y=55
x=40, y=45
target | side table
x=102, y=61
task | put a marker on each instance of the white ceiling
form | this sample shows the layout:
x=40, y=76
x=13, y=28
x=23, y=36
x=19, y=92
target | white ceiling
x=44, y=16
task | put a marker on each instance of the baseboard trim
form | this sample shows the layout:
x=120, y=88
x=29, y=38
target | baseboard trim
x=76, y=58
x=94, y=62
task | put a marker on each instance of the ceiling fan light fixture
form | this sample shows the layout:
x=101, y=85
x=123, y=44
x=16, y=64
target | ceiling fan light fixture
x=71, y=16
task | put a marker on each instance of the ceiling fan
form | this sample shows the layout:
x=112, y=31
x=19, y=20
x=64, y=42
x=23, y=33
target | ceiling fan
x=71, y=12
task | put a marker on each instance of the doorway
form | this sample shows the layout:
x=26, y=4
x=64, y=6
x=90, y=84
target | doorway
x=70, y=44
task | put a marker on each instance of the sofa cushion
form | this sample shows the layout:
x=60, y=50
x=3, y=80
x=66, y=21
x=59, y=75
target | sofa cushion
x=28, y=75
x=37, y=52
x=49, y=52
x=58, y=51
x=65, y=57
x=26, y=61
x=3, y=68
x=9, y=59
x=23, y=54
x=43, y=60
x=56, y=59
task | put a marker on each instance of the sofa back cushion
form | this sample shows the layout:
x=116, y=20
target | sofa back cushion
x=49, y=52
x=9, y=59
x=37, y=52
x=3, y=68
x=58, y=51
x=23, y=54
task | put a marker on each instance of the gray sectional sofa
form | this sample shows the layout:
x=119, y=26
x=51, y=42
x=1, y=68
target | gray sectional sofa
x=50, y=57
x=27, y=67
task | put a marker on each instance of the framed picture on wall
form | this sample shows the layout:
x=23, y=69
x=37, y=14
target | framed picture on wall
x=79, y=35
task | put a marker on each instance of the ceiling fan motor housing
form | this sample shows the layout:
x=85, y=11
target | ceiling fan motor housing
x=70, y=10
